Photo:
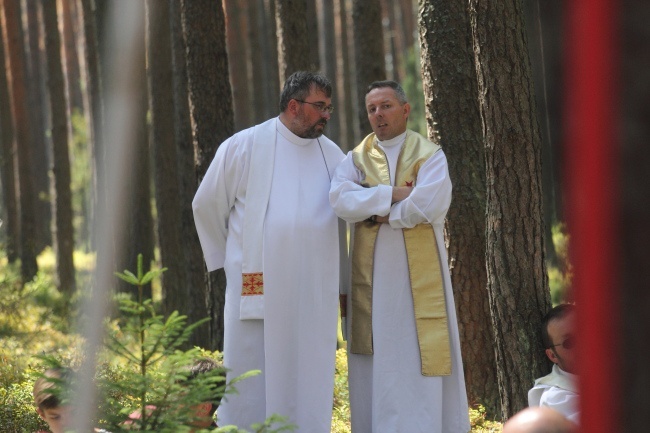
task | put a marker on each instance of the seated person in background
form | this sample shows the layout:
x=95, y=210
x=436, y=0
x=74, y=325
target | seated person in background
x=539, y=420
x=48, y=401
x=201, y=414
x=558, y=390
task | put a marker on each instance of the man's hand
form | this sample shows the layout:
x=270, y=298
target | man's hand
x=400, y=193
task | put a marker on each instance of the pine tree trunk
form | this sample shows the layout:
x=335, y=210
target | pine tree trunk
x=347, y=100
x=39, y=124
x=191, y=248
x=7, y=160
x=238, y=54
x=139, y=225
x=293, y=41
x=516, y=272
x=94, y=103
x=17, y=61
x=212, y=121
x=163, y=146
x=368, y=53
x=71, y=58
x=327, y=49
x=449, y=81
x=63, y=233
x=270, y=59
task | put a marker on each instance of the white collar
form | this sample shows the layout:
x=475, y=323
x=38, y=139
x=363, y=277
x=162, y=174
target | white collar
x=393, y=141
x=290, y=136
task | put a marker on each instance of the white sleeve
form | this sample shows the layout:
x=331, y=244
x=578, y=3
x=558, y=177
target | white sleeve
x=563, y=401
x=214, y=200
x=430, y=198
x=353, y=202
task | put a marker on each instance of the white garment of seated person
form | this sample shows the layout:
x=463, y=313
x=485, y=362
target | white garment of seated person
x=557, y=391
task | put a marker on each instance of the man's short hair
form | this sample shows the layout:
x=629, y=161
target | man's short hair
x=49, y=387
x=557, y=312
x=399, y=91
x=299, y=85
x=204, y=366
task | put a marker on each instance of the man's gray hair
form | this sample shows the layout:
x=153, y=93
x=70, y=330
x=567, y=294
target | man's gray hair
x=399, y=91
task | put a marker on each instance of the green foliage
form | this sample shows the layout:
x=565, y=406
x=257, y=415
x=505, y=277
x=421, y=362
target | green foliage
x=560, y=276
x=341, y=408
x=17, y=411
x=479, y=423
x=412, y=85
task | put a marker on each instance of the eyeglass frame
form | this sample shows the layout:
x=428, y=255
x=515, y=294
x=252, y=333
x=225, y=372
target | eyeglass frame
x=320, y=106
x=563, y=344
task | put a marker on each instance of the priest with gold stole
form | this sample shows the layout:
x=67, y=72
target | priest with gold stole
x=405, y=366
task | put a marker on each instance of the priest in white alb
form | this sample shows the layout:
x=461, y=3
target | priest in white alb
x=405, y=367
x=262, y=213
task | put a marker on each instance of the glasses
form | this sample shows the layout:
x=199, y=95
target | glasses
x=319, y=106
x=567, y=344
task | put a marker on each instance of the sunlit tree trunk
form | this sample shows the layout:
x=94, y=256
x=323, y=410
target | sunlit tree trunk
x=368, y=53
x=16, y=53
x=238, y=54
x=139, y=226
x=516, y=272
x=70, y=62
x=451, y=98
x=327, y=49
x=346, y=103
x=212, y=122
x=7, y=160
x=63, y=234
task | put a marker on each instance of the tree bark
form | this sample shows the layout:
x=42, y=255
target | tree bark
x=39, y=122
x=72, y=73
x=270, y=60
x=63, y=233
x=327, y=49
x=368, y=53
x=94, y=102
x=8, y=158
x=139, y=226
x=454, y=122
x=516, y=271
x=163, y=146
x=238, y=54
x=293, y=41
x=17, y=61
x=347, y=101
x=191, y=248
x=212, y=122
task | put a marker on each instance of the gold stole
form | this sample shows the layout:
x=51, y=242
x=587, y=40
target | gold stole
x=422, y=255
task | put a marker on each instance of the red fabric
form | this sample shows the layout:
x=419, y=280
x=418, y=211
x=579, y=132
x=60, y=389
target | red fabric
x=592, y=178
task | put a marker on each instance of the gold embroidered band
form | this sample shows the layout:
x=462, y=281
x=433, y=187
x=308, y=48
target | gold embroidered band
x=422, y=254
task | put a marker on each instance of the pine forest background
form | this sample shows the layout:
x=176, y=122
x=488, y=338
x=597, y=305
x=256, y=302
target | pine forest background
x=111, y=111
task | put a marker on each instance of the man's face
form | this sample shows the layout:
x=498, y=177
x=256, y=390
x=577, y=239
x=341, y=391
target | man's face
x=562, y=334
x=310, y=121
x=386, y=115
x=58, y=418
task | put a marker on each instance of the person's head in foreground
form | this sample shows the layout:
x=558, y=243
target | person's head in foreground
x=48, y=399
x=204, y=411
x=387, y=108
x=558, y=336
x=306, y=104
x=539, y=420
